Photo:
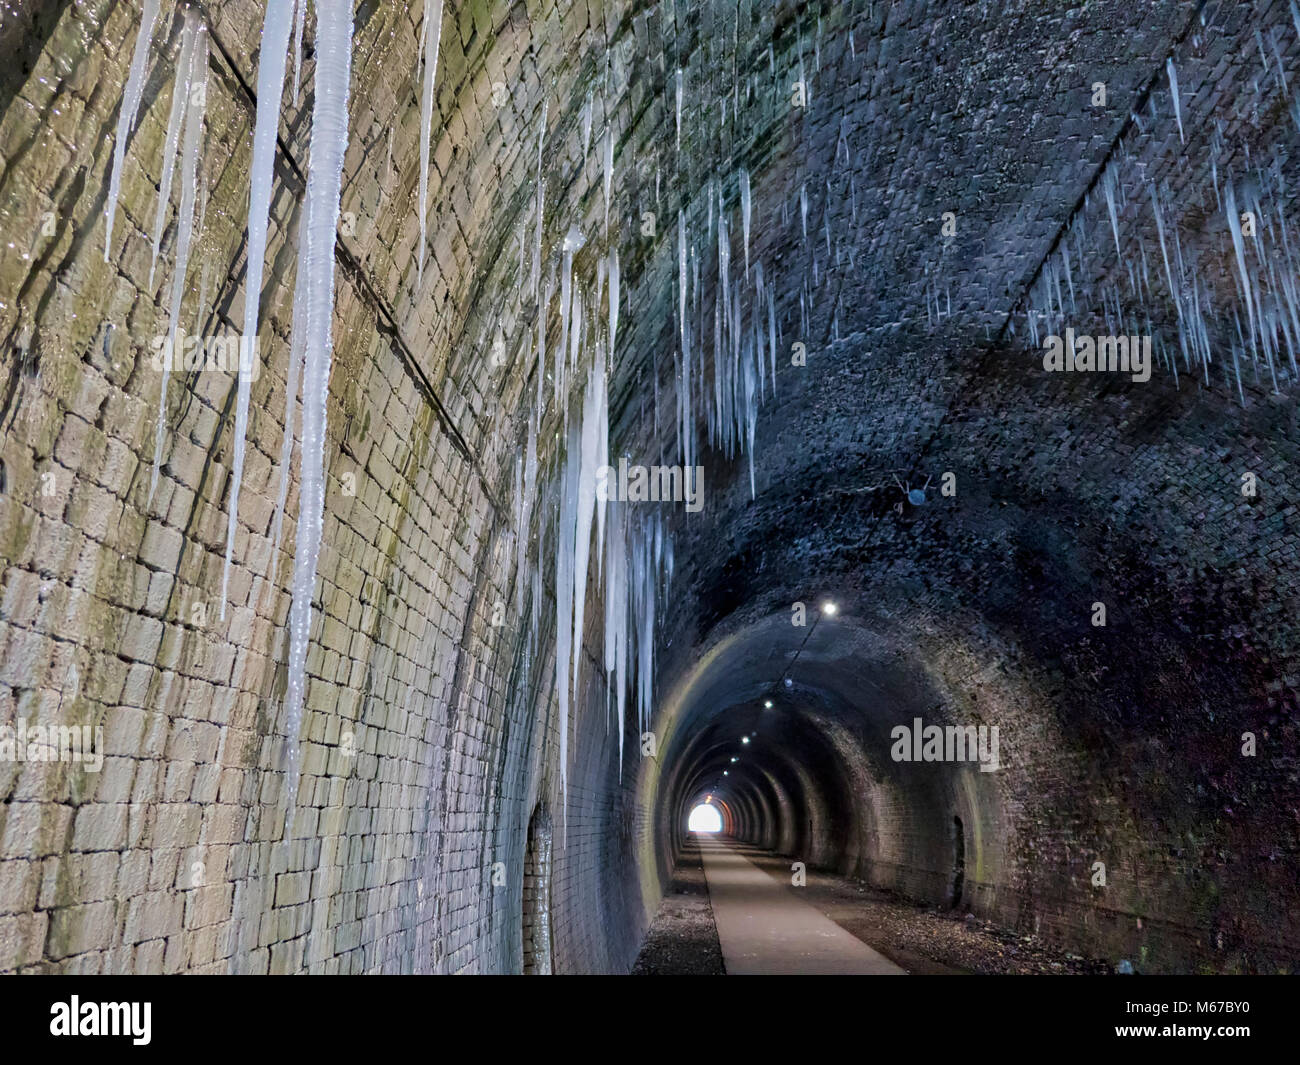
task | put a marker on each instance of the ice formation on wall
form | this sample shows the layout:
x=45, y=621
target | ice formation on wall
x=195, y=94
x=127, y=115
x=270, y=89
x=329, y=133
x=171, y=144
x=430, y=41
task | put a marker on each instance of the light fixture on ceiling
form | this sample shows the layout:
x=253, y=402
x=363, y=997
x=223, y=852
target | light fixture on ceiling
x=829, y=608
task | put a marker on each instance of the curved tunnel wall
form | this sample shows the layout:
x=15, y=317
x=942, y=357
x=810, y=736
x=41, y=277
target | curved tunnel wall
x=432, y=732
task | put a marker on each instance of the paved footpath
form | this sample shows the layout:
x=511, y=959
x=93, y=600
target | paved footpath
x=766, y=930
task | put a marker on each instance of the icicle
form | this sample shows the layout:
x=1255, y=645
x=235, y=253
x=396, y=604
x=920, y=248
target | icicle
x=564, y=605
x=541, y=341
x=681, y=275
x=680, y=90
x=429, y=52
x=609, y=171
x=270, y=88
x=130, y=108
x=616, y=632
x=1239, y=246
x=1173, y=92
x=751, y=418
x=608, y=547
x=575, y=331
x=803, y=81
x=1108, y=185
x=299, y=22
x=572, y=242
x=329, y=133
x=196, y=81
x=180, y=94
x=614, y=285
x=744, y=213
x=586, y=506
x=602, y=452
x=584, y=121
x=526, y=513
x=724, y=271
x=645, y=640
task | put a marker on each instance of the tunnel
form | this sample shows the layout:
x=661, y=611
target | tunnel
x=444, y=445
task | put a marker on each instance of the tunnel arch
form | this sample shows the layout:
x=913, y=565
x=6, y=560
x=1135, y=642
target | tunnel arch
x=817, y=777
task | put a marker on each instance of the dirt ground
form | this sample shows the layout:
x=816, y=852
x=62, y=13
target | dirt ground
x=924, y=940
x=683, y=940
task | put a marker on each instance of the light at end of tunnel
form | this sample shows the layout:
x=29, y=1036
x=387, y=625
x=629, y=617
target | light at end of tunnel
x=726, y=772
x=744, y=739
x=733, y=758
x=829, y=608
x=767, y=704
x=704, y=818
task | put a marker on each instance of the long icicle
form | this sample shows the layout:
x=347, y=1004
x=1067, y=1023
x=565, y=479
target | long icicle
x=196, y=82
x=174, y=121
x=329, y=134
x=429, y=50
x=270, y=88
x=299, y=22
x=567, y=474
x=745, y=205
x=130, y=108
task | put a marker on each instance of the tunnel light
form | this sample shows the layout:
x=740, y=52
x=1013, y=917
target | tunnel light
x=726, y=772
x=733, y=758
x=829, y=608
x=705, y=818
x=744, y=739
x=767, y=704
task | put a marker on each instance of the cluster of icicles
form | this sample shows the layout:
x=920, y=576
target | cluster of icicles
x=313, y=301
x=1263, y=321
x=724, y=353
